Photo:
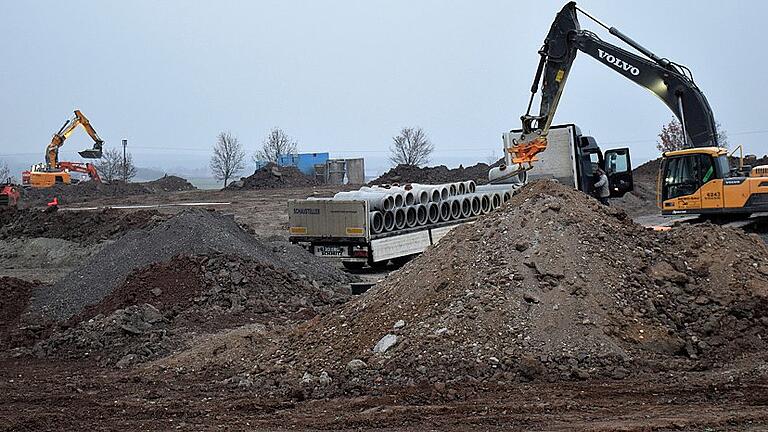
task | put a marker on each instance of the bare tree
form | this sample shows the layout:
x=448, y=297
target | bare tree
x=671, y=137
x=112, y=167
x=411, y=147
x=5, y=172
x=227, y=158
x=275, y=144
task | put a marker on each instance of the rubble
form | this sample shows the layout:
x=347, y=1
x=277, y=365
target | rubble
x=592, y=295
x=272, y=176
x=190, y=232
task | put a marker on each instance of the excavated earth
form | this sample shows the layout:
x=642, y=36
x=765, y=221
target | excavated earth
x=436, y=175
x=553, y=287
x=192, y=232
x=272, y=176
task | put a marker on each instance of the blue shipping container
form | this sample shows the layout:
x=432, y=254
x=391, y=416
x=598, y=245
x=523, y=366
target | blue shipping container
x=305, y=162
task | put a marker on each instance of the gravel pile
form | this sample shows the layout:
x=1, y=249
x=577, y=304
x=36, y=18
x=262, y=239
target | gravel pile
x=436, y=175
x=272, y=176
x=84, y=227
x=169, y=183
x=154, y=311
x=190, y=232
x=555, y=287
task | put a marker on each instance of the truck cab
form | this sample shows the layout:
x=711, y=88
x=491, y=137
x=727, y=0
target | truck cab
x=572, y=159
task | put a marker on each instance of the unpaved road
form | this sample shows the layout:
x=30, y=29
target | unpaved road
x=45, y=396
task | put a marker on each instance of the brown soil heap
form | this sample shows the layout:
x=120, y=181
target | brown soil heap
x=85, y=227
x=14, y=298
x=272, y=176
x=169, y=183
x=158, y=307
x=554, y=286
x=82, y=192
x=436, y=175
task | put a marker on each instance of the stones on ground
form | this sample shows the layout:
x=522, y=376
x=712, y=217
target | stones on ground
x=399, y=324
x=355, y=365
x=385, y=343
x=156, y=291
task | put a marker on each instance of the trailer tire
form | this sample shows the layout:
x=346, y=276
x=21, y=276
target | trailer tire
x=352, y=265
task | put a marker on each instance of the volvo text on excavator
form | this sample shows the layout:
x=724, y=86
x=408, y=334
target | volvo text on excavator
x=697, y=180
x=53, y=171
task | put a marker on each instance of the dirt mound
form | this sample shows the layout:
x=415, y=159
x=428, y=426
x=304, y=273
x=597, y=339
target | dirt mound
x=436, y=175
x=647, y=172
x=191, y=232
x=14, y=298
x=272, y=176
x=169, y=183
x=82, y=192
x=554, y=286
x=84, y=227
x=642, y=200
x=157, y=307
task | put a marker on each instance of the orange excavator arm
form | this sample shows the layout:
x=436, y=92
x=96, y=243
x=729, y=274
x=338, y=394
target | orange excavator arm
x=52, y=150
x=86, y=168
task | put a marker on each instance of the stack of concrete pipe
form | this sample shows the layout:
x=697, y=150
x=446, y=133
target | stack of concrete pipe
x=398, y=207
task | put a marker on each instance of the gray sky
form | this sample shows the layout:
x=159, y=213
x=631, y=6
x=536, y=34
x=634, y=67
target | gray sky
x=344, y=76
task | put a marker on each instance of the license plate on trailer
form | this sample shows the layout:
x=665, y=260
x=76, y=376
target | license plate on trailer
x=331, y=251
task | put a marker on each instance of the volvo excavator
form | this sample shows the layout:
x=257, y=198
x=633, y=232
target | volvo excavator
x=53, y=171
x=696, y=180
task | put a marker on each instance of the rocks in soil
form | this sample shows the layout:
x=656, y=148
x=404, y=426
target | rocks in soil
x=190, y=232
x=592, y=295
x=273, y=176
x=14, y=298
x=203, y=293
x=82, y=192
x=436, y=175
x=84, y=227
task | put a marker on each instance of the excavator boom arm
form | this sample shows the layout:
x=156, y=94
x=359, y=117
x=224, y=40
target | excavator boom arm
x=79, y=119
x=672, y=83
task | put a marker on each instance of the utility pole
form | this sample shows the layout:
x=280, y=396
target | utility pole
x=125, y=165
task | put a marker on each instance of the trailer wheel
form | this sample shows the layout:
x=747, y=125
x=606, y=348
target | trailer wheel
x=352, y=265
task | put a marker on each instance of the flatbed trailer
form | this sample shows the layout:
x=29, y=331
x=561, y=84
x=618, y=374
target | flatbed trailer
x=341, y=229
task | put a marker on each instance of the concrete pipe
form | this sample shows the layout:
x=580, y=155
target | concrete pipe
x=466, y=207
x=425, y=193
x=400, y=217
x=376, y=221
x=423, y=196
x=461, y=188
x=476, y=206
x=455, y=209
x=496, y=198
x=422, y=216
x=445, y=211
x=485, y=203
x=433, y=213
x=389, y=220
x=445, y=192
x=470, y=186
x=411, y=216
x=376, y=201
x=507, y=197
x=452, y=189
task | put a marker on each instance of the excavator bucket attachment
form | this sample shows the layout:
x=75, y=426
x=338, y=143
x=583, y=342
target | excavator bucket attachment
x=91, y=153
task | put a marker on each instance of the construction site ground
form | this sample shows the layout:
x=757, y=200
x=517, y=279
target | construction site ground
x=233, y=358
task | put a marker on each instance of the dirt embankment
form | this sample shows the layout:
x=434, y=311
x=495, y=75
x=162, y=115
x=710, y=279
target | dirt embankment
x=436, y=175
x=85, y=227
x=272, y=176
x=89, y=190
x=554, y=286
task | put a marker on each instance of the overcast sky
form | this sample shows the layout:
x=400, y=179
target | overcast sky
x=344, y=76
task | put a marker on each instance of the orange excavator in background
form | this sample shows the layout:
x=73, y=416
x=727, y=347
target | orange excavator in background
x=54, y=172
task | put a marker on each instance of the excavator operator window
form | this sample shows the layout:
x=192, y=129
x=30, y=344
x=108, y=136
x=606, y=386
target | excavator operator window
x=684, y=175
